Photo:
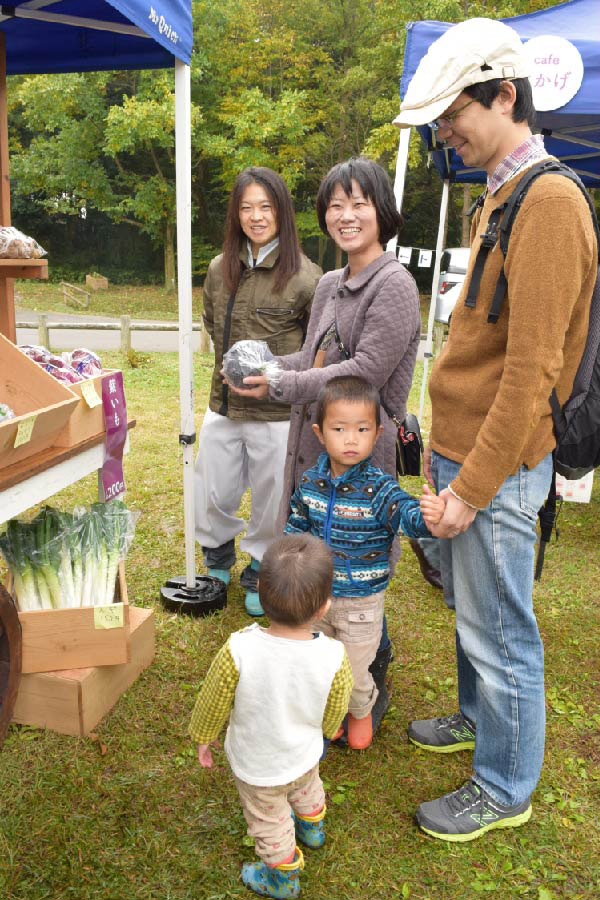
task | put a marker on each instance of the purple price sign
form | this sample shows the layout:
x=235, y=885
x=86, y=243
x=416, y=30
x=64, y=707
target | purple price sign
x=115, y=419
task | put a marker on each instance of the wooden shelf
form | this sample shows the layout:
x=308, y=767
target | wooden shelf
x=35, y=479
x=24, y=268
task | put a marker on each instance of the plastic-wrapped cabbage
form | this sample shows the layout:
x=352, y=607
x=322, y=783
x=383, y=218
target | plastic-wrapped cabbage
x=6, y=413
x=250, y=358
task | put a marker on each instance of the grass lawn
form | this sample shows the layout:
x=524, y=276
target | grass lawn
x=138, y=301
x=130, y=815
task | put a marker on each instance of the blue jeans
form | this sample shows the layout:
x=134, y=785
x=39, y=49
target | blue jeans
x=500, y=657
x=433, y=550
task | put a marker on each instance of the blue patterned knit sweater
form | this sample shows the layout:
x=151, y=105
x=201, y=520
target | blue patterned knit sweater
x=357, y=514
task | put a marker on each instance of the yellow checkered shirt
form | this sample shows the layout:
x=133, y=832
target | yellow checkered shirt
x=215, y=700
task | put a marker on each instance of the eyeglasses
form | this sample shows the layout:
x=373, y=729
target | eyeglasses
x=448, y=120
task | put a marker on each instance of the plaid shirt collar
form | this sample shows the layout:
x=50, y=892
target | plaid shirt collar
x=529, y=152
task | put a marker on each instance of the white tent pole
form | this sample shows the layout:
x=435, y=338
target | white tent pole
x=434, y=289
x=183, y=173
x=400, y=177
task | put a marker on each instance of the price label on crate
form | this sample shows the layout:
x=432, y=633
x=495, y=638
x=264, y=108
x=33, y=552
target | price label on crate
x=108, y=616
x=24, y=430
x=90, y=394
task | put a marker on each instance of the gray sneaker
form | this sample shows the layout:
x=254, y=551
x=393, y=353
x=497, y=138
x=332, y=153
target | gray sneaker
x=468, y=813
x=444, y=735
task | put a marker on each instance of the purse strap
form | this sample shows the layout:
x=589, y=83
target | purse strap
x=347, y=355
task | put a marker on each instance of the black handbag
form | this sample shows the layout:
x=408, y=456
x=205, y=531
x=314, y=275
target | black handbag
x=409, y=443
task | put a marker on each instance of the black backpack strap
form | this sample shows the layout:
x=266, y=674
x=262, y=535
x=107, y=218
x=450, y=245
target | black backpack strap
x=547, y=517
x=512, y=207
x=489, y=239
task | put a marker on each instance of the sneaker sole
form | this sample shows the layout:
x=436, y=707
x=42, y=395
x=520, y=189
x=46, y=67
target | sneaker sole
x=513, y=822
x=448, y=748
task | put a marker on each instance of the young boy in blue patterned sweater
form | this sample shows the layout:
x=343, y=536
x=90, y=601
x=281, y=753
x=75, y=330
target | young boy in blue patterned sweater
x=357, y=509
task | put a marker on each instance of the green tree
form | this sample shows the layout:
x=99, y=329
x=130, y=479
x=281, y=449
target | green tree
x=103, y=140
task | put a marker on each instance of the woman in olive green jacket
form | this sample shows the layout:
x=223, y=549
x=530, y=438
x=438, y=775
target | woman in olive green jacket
x=260, y=287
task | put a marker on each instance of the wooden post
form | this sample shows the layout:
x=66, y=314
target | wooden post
x=7, y=292
x=125, y=335
x=438, y=339
x=43, y=336
x=204, y=341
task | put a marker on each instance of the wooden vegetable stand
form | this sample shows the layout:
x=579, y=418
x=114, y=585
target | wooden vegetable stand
x=62, y=38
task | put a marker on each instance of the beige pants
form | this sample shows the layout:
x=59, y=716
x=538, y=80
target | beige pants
x=357, y=622
x=268, y=812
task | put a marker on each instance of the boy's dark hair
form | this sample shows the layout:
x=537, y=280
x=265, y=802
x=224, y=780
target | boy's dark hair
x=485, y=92
x=295, y=578
x=352, y=389
x=290, y=254
x=376, y=186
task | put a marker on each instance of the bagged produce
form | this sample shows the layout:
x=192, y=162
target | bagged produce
x=250, y=358
x=6, y=413
x=62, y=559
x=85, y=362
x=70, y=368
x=16, y=245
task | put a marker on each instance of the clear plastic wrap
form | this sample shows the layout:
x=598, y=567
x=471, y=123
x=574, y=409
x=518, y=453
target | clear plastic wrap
x=16, y=245
x=6, y=413
x=70, y=368
x=85, y=362
x=62, y=559
x=250, y=358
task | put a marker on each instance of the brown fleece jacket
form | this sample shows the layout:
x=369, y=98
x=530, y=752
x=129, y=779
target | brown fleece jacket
x=490, y=387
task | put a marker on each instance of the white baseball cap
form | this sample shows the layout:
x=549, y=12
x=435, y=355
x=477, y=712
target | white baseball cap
x=468, y=53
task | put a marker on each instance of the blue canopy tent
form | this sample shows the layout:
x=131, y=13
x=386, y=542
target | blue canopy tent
x=572, y=132
x=49, y=36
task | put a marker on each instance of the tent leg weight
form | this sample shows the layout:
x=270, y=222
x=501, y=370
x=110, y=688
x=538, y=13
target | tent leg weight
x=206, y=596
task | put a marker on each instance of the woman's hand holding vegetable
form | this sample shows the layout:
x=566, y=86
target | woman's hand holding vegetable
x=257, y=386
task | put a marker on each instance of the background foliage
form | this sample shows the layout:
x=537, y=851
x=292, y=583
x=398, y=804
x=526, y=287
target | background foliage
x=297, y=85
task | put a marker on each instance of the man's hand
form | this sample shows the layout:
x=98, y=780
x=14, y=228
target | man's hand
x=457, y=517
x=205, y=756
x=257, y=386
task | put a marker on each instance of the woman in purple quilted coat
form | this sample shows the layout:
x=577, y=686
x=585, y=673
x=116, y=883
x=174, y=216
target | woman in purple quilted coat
x=364, y=320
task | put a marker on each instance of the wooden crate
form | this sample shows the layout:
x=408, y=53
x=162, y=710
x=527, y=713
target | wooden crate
x=75, y=700
x=76, y=638
x=30, y=391
x=84, y=422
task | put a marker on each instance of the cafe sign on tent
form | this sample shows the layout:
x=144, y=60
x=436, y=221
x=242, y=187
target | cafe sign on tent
x=556, y=71
x=425, y=258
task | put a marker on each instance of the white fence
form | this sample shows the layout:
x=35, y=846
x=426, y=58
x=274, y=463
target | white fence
x=124, y=325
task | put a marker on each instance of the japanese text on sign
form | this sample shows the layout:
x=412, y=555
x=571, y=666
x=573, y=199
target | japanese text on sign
x=556, y=71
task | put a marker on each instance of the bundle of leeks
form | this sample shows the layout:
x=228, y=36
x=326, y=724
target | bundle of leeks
x=64, y=559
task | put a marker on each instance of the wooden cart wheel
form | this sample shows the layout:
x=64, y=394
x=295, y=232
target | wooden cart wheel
x=10, y=659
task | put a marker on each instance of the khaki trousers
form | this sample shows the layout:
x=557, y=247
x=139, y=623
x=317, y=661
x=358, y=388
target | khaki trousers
x=357, y=622
x=268, y=812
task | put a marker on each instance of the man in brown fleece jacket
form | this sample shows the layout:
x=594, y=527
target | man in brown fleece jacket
x=492, y=437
